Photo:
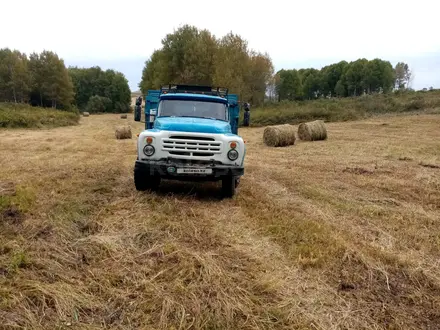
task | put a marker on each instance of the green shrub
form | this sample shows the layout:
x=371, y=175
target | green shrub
x=342, y=109
x=99, y=104
x=16, y=115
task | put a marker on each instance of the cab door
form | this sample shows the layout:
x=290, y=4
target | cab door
x=234, y=112
x=151, y=103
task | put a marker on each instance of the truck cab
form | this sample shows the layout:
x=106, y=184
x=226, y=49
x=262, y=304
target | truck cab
x=191, y=134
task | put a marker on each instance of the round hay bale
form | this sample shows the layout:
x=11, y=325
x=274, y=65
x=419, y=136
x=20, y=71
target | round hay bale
x=312, y=131
x=124, y=116
x=123, y=132
x=279, y=135
x=86, y=114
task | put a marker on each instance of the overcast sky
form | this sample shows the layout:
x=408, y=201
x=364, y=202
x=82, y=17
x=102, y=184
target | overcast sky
x=296, y=34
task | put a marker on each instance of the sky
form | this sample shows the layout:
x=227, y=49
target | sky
x=296, y=34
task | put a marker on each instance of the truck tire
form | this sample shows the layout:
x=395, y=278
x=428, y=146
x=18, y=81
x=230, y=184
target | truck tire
x=137, y=113
x=229, y=184
x=143, y=181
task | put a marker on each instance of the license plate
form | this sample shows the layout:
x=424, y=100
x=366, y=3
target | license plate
x=194, y=170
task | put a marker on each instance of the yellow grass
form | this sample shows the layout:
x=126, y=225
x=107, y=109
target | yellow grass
x=336, y=234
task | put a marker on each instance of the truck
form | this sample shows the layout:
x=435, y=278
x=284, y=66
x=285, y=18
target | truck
x=191, y=134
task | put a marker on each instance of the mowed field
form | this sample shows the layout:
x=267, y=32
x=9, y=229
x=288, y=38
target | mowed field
x=336, y=234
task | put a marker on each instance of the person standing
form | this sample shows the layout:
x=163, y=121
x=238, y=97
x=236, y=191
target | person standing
x=138, y=109
x=246, y=118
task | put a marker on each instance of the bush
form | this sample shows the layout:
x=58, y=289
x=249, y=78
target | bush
x=99, y=104
x=122, y=107
x=15, y=115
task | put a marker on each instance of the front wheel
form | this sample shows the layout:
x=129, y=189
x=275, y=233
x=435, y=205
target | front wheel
x=229, y=184
x=143, y=181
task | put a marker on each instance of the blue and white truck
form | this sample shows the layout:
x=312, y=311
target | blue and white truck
x=191, y=134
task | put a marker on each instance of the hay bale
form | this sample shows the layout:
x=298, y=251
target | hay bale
x=123, y=132
x=312, y=131
x=124, y=116
x=279, y=135
x=86, y=114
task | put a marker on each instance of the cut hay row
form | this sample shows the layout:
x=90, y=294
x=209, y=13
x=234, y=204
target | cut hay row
x=123, y=132
x=279, y=136
x=312, y=131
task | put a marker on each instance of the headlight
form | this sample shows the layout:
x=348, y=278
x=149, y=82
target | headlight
x=149, y=150
x=233, y=154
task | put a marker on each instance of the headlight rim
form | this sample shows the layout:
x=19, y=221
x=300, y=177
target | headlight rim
x=233, y=151
x=150, y=147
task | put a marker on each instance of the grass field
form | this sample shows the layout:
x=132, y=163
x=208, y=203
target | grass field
x=16, y=115
x=336, y=234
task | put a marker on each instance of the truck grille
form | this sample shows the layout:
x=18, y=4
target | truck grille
x=191, y=146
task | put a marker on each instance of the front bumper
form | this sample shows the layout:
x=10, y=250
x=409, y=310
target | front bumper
x=168, y=170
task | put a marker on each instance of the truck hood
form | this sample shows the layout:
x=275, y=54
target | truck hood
x=190, y=124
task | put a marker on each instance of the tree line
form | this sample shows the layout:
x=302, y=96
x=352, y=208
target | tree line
x=193, y=56
x=341, y=80
x=97, y=90
x=42, y=79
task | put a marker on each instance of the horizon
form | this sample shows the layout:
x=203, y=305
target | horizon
x=389, y=31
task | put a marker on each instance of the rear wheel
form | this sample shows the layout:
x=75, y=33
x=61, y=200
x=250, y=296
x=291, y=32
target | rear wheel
x=144, y=181
x=228, y=186
x=137, y=113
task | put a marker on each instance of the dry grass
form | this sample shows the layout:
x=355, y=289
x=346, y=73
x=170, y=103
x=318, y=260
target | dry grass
x=338, y=234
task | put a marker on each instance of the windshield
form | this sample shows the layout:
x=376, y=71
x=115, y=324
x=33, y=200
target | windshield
x=193, y=108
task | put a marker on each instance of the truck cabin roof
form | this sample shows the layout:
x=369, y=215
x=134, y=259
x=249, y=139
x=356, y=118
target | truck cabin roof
x=194, y=97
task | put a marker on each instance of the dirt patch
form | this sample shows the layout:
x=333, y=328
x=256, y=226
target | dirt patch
x=12, y=215
x=429, y=165
x=389, y=292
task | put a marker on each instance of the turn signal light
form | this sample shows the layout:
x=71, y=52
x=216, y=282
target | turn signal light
x=149, y=139
x=233, y=145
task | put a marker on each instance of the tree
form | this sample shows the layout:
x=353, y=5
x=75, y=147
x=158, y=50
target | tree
x=403, y=76
x=340, y=89
x=289, y=85
x=232, y=65
x=331, y=74
x=378, y=76
x=354, y=77
x=259, y=77
x=155, y=72
x=50, y=81
x=193, y=56
x=311, y=79
x=110, y=84
x=14, y=76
